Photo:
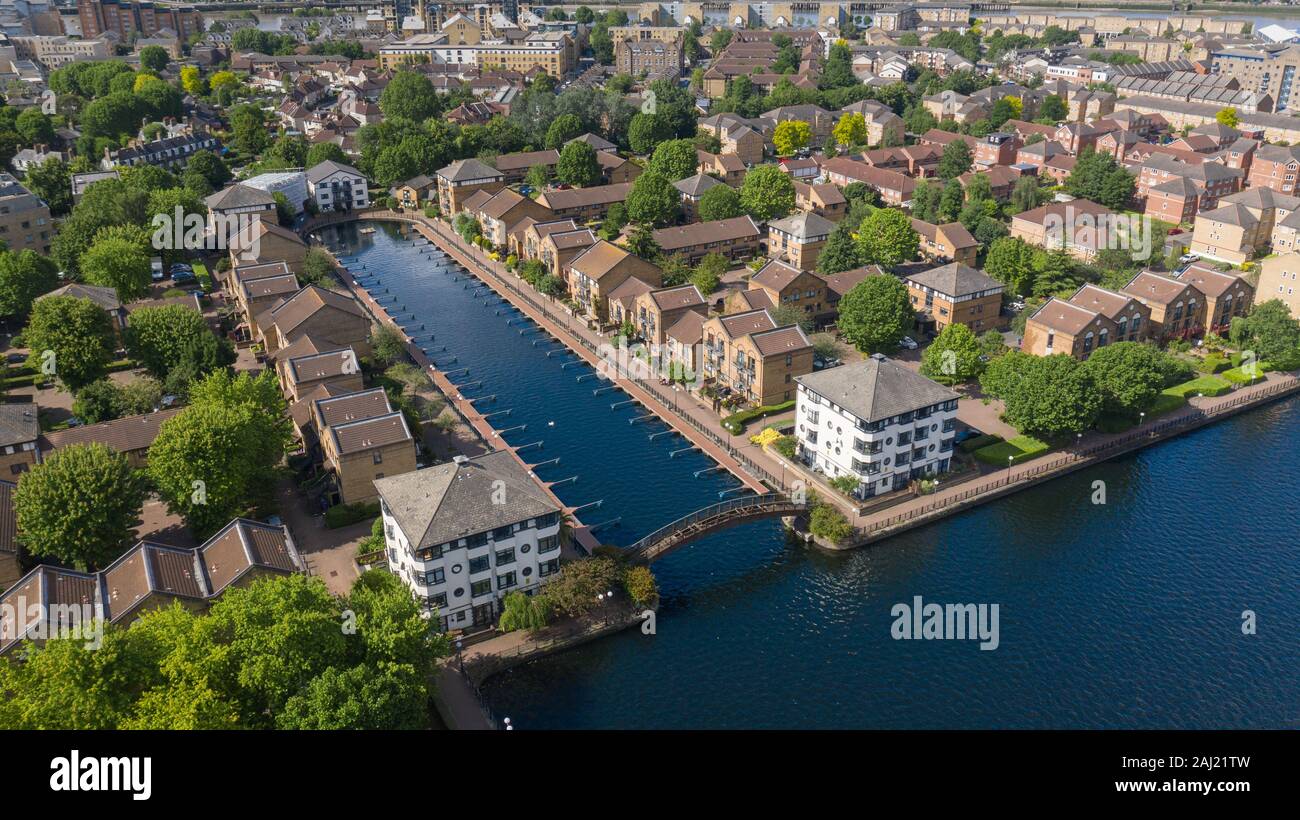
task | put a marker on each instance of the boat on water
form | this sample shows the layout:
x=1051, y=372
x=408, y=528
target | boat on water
x=366, y=230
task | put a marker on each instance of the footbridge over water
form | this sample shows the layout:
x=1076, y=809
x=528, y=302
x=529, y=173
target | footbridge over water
x=711, y=519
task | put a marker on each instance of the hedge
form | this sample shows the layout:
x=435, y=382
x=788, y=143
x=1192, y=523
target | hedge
x=970, y=445
x=1238, y=375
x=735, y=423
x=341, y=515
x=1211, y=364
x=1018, y=449
x=1208, y=385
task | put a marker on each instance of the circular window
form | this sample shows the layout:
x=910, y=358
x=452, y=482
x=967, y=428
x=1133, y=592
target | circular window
x=889, y=440
x=933, y=427
x=837, y=451
x=525, y=548
x=932, y=448
x=459, y=592
x=455, y=569
x=886, y=461
x=528, y=571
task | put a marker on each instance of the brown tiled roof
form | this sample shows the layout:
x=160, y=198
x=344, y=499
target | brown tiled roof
x=47, y=586
x=544, y=229
x=598, y=260
x=246, y=273
x=1152, y=287
x=780, y=341
x=1211, y=282
x=18, y=424
x=627, y=292
x=501, y=203
x=361, y=404
x=703, y=233
x=318, y=366
x=689, y=329
x=300, y=411
x=305, y=303
x=756, y=298
x=842, y=283
x=125, y=435
x=149, y=568
x=585, y=197
x=775, y=275
x=241, y=546
x=567, y=240
x=1100, y=300
x=743, y=324
x=1062, y=316
x=476, y=200
x=679, y=297
x=526, y=160
x=367, y=434
x=269, y=286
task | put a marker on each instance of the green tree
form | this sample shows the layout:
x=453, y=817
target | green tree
x=790, y=136
x=653, y=200
x=324, y=151
x=1272, y=332
x=24, y=275
x=953, y=357
x=80, y=506
x=249, y=129
x=1010, y=261
x=51, y=181
x=1054, y=108
x=708, y=274
x=876, y=314
x=887, y=238
x=409, y=95
x=1128, y=375
x=578, y=165
x=524, y=612
x=851, y=130
x=956, y=160
x=1046, y=396
x=646, y=131
x=767, y=193
x=35, y=127
x=1228, y=117
x=218, y=457
x=71, y=337
x=170, y=336
x=1098, y=177
x=563, y=128
x=840, y=253
x=98, y=401
x=719, y=202
x=675, y=159
x=118, y=264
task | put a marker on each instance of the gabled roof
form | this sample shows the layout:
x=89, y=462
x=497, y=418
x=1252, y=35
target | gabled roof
x=307, y=302
x=775, y=274
x=876, y=389
x=803, y=226
x=955, y=280
x=463, y=170
x=316, y=173
x=239, y=196
x=125, y=435
x=106, y=298
x=370, y=433
x=696, y=186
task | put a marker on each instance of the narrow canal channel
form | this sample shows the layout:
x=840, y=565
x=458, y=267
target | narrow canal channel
x=1126, y=614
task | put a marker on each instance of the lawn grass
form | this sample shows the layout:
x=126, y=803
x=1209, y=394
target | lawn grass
x=972, y=444
x=1208, y=385
x=205, y=278
x=1238, y=375
x=1018, y=449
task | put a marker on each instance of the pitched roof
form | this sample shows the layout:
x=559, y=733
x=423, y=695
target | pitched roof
x=1154, y=287
x=803, y=226
x=18, y=424
x=125, y=435
x=455, y=499
x=463, y=170
x=367, y=434
x=305, y=303
x=876, y=389
x=736, y=325
x=242, y=546
x=775, y=274
x=696, y=186
x=599, y=259
x=584, y=197
x=781, y=340
x=955, y=280
x=1101, y=300
x=527, y=159
x=106, y=298
x=701, y=233
x=239, y=196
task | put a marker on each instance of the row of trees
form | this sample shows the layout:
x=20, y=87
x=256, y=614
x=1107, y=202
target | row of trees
x=283, y=653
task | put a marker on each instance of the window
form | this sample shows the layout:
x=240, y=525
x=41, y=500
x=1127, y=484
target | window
x=506, y=580
x=479, y=588
x=479, y=564
x=548, y=544
x=434, y=576
x=379, y=457
x=506, y=556
x=439, y=600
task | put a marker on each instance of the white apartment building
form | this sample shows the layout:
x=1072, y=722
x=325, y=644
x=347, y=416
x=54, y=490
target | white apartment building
x=465, y=534
x=877, y=421
x=334, y=186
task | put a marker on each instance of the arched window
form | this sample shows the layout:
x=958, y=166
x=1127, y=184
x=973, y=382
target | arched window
x=1103, y=337
x=1087, y=342
x=1136, y=323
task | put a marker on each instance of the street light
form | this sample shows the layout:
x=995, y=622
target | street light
x=1009, y=460
x=509, y=725
x=459, y=658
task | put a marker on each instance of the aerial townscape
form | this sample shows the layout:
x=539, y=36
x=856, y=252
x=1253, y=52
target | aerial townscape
x=388, y=364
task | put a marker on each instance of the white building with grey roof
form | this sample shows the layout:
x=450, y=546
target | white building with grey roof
x=877, y=421
x=465, y=534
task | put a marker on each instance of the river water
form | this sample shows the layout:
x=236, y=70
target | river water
x=1123, y=614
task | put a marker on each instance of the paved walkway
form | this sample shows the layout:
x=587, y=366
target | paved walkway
x=694, y=419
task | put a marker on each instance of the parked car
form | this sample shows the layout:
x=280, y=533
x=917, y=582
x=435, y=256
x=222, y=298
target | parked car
x=156, y=269
x=184, y=277
x=1189, y=258
x=908, y=343
x=966, y=434
x=1017, y=305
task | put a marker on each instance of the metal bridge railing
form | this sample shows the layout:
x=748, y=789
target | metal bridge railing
x=711, y=511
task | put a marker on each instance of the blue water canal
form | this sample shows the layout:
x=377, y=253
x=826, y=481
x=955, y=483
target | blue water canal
x=1126, y=614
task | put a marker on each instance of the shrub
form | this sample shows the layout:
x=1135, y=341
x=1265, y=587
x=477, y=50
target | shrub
x=1207, y=385
x=640, y=585
x=524, y=612
x=1211, y=364
x=829, y=524
x=786, y=446
x=735, y=423
x=845, y=484
x=1238, y=375
x=342, y=515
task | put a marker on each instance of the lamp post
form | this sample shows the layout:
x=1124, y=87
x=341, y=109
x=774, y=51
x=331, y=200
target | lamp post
x=509, y=726
x=1010, y=459
x=460, y=660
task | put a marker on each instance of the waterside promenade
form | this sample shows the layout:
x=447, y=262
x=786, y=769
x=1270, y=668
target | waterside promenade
x=757, y=467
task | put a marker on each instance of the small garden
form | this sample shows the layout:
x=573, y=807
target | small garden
x=1016, y=450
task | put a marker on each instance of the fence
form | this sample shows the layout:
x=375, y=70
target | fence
x=1096, y=452
x=711, y=511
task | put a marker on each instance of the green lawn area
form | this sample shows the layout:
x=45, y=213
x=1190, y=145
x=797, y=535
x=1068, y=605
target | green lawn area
x=1238, y=375
x=1018, y=449
x=1208, y=385
x=205, y=278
